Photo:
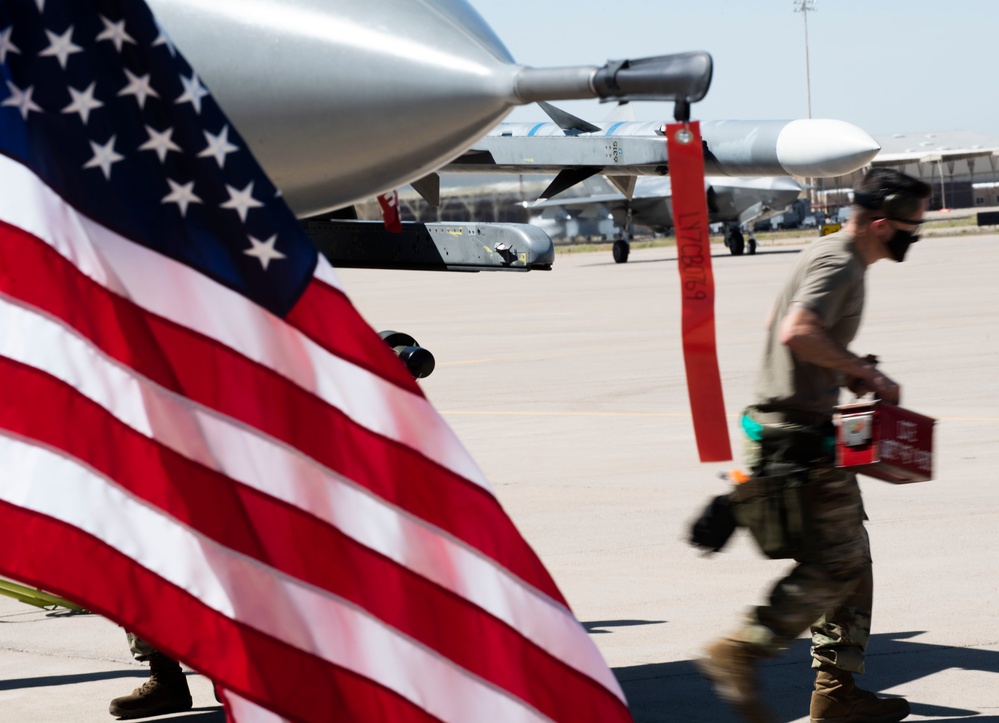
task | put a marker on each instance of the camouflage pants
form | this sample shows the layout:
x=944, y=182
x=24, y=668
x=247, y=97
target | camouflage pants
x=830, y=588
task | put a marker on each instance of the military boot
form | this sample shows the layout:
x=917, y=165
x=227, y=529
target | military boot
x=165, y=692
x=837, y=699
x=731, y=666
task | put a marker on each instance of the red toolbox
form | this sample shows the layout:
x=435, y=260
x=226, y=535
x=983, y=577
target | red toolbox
x=884, y=441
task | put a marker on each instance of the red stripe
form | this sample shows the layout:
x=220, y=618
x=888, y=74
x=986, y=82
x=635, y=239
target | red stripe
x=232, y=515
x=325, y=315
x=700, y=356
x=213, y=375
x=295, y=684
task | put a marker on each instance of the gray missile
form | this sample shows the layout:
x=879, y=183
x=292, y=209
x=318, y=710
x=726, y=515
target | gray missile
x=343, y=100
x=810, y=148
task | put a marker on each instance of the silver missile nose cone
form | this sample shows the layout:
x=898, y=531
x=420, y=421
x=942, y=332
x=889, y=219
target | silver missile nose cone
x=823, y=148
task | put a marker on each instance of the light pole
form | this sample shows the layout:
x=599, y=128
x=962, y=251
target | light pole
x=804, y=7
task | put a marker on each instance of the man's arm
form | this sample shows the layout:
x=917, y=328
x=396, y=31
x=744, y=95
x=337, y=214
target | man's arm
x=802, y=332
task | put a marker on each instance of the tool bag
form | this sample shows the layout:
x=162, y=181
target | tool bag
x=772, y=509
x=770, y=504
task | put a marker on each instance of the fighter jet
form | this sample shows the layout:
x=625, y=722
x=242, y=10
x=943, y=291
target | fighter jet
x=342, y=101
x=732, y=201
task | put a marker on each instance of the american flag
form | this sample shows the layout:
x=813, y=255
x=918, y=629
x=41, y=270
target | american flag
x=202, y=440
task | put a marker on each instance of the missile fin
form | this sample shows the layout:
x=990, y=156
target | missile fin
x=429, y=187
x=567, y=179
x=625, y=184
x=567, y=121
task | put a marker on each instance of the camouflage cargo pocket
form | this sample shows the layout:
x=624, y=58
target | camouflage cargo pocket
x=772, y=509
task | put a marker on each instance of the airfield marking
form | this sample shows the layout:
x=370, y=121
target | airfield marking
x=478, y=413
x=469, y=361
x=483, y=413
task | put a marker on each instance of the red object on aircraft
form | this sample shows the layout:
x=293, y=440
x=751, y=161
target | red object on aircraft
x=390, y=211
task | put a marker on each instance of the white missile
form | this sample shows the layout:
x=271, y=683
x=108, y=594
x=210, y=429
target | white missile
x=810, y=148
x=813, y=148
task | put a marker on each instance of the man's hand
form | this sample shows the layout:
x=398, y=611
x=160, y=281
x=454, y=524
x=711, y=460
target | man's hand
x=872, y=380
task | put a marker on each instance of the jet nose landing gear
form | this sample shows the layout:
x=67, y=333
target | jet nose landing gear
x=418, y=360
x=621, y=250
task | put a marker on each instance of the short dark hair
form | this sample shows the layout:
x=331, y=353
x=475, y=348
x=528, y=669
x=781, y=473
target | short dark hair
x=880, y=184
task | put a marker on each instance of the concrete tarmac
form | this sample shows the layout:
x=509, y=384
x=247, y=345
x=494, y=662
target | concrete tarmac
x=568, y=388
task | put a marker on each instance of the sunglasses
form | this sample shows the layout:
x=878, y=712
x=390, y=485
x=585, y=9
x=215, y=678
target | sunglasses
x=913, y=235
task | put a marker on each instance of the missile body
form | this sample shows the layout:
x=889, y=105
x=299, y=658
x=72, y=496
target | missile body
x=809, y=148
x=341, y=101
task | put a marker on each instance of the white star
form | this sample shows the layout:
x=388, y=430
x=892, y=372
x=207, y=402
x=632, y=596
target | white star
x=61, y=46
x=194, y=91
x=242, y=201
x=160, y=142
x=21, y=99
x=139, y=87
x=264, y=250
x=181, y=195
x=115, y=32
x=218, y=146
x=5, y=45
x=83, y=102
x=164, y=39
x=104, y=156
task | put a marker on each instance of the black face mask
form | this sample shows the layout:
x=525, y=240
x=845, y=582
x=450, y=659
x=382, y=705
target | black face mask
x=899, y=244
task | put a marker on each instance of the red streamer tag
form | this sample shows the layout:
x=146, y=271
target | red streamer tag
x=700, y=354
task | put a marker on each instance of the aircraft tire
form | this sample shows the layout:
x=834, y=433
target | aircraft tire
x=752, y=247
x=736, y=246
x=620, y=251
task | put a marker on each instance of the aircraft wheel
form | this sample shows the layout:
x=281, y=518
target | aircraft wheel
x=419, y=361
x=621, y=250
x=752, y=246
x=736, y=246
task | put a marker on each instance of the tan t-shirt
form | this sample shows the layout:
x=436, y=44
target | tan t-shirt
x=828, y=279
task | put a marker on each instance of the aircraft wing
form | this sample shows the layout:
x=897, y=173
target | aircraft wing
x=729, y=199
x=343, y=101
x=580, y=202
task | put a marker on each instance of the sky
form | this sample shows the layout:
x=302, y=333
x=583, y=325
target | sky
x=888, y=66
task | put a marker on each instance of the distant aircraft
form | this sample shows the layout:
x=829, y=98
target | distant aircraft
x=733, y=201
x=342, y=101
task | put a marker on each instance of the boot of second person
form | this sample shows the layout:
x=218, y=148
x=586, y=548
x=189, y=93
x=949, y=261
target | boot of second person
x=837, y=699
x=731, y=666
x=166, y=691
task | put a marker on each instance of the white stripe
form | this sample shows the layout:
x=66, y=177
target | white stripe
x=244, y=711
x=262, y=463
x=327, y=274
x=176, y=292
x=233, y=585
